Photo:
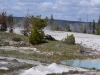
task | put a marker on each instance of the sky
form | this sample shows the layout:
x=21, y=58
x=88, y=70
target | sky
x=60, y=9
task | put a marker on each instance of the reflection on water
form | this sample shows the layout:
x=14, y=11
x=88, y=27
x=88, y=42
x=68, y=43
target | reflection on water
x=83, y=63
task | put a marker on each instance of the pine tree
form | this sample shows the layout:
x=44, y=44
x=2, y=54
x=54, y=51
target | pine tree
x=98, y=28
x=51, y=22
x=37, y=34
x=36, y=37
x=10, y=22
x=38, y=22
x=81, y=28
x=56, y=27
x=93, y=27
x=3, y=21
x=68, y=27
x=84, y=29
x=90, y=26
x=26, y=25
x=46, y=18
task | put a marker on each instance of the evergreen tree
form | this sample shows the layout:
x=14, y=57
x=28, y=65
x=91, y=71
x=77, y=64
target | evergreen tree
x=36, y=37
x=98, y=28
x=75, y=28
x=93, y=27
x=68, y=27
x=38, y=22
x=3, y=21
x=37, y=34
x=51, y=22
x=90, y=28
x=10, y=22
x=84, y=29
x=26, y=26
x=46, y=18
x=56, y=27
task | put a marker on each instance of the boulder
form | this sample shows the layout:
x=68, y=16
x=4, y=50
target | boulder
x=49, y=37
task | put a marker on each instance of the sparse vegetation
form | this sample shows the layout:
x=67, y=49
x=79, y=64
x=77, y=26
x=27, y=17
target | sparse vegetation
x=16, y=39
x=52, y=51
x=7, y=38
x=58, y=73
x=14, y=67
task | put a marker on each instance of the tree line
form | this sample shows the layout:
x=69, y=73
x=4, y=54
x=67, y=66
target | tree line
x=89, y=27
x=33, y=25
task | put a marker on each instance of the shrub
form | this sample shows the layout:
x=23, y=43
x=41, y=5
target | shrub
x=16, y=39
x=70, y=39
x=6, y=43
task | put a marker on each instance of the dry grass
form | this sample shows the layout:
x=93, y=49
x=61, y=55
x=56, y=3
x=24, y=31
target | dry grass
x=9, y=36
x=52, y=51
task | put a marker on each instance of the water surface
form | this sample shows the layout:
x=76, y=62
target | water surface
x=83, y=63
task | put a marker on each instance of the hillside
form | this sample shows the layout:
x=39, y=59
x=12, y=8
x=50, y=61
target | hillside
x=64, y=22
x=59, y=22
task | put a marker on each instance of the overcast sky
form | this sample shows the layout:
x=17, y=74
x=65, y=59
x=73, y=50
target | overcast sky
x=61, y=9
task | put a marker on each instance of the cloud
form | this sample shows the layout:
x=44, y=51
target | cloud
x=95, y=2
x=46, y=6
x=90, y=2
x=61, y=9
